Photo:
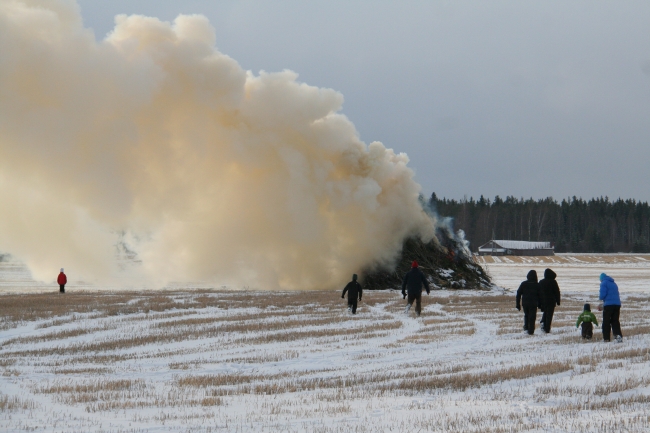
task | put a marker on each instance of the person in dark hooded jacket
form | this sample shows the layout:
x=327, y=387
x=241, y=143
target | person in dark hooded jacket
x=550, y=298
x=414, y=280
x=529, y=296
x=354, y=290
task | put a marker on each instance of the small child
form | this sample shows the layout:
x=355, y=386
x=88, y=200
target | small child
x=587, y=319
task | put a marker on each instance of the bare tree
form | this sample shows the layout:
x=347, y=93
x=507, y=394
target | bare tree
x=541, y=217
x=530, y=219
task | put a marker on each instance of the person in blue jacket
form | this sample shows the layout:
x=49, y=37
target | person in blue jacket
x=611, y=308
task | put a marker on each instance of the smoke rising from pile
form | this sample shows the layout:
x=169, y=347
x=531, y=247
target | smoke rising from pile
x=154, y=137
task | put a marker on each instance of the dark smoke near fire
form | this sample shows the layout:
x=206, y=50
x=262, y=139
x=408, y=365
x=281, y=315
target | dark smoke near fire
x=446, y=260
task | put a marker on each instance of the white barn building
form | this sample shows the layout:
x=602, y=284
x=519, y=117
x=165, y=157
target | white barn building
x=516, y=248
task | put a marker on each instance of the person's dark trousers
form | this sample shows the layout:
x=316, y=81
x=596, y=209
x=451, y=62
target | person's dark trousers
x=352, y=304
x=530, y=315
x=587, y=330
x=418, y=302
x=547, y=317
x=611, y=314
x=61, y=288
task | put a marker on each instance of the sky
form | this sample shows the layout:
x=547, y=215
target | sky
x=530, y=99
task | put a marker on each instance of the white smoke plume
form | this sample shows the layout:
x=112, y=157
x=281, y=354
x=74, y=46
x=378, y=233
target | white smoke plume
x=211, y=172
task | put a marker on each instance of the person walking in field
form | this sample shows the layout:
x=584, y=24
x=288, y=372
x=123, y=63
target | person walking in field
x=611, y=308
x=414, y=280
x=354, y=290
x=550, y=298
x=529, y=296
x=587, y=319
x=62, y=280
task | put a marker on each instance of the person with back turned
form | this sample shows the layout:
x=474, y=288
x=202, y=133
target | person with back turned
x=529, y=296
x=354, y=292
x=550, y=298
x=611, y=308
x=587, y=320
x=62, y=280
x=414, y=280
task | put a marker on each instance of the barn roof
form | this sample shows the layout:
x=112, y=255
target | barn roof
x=518, y=245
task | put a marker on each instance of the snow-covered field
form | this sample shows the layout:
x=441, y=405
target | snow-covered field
x=197, y=360
x=576, y=272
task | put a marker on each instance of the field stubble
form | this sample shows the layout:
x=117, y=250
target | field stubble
x=202, y=360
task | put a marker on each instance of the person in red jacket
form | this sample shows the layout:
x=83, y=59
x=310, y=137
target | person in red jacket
x=62, y=281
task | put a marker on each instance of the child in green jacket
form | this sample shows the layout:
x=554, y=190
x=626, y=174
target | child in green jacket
x=587, y=319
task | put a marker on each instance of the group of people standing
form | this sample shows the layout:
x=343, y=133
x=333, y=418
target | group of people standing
x=413, y=283
x=545, y=295
x=531, y=295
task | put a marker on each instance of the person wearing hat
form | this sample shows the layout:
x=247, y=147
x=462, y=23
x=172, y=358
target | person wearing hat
x=414, y=280
x=62, y=280
x=587, y=319
x=611, y=308
x=354, y=290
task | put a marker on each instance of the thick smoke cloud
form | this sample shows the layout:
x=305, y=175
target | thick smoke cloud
x=155, y=138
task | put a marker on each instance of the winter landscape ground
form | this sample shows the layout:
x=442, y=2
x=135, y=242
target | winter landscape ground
x=196, y=359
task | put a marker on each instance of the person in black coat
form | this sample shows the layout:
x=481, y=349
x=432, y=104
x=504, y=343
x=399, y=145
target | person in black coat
x=354, y=292
x=550, y=298
x=414, y=280
x=529, y=296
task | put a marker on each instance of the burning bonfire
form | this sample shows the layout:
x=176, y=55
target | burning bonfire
x=446, y=261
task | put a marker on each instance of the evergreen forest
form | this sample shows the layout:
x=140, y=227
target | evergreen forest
x=572, y=225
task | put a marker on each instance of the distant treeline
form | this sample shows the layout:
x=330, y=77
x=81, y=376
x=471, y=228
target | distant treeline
x=572, y=225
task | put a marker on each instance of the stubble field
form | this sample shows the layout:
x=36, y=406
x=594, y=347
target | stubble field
x=197, y=360
x=576, y=272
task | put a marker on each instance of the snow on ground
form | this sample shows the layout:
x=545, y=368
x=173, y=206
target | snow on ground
x=196, y=360
x=576, y=272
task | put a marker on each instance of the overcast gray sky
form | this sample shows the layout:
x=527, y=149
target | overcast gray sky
x=547, y=98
